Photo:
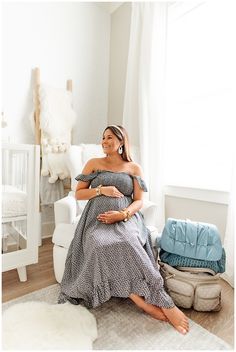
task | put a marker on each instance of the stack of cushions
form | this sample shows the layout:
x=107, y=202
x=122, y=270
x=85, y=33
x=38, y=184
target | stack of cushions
x=192, y=244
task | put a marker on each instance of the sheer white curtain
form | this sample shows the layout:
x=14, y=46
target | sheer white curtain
x=230, y=229
x=144, y=96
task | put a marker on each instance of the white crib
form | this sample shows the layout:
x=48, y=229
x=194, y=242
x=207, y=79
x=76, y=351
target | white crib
x=21, y=228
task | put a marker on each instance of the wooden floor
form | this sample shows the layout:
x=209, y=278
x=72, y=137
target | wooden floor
x=41, y=275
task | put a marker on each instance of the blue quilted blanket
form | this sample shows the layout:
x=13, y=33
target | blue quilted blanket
x=195, y=240
x=177, y=260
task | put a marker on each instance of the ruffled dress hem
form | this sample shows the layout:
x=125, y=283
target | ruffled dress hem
x=106, y=290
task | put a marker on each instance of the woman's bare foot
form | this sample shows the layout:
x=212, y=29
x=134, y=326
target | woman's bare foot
x=154, y=311
x=177, y=318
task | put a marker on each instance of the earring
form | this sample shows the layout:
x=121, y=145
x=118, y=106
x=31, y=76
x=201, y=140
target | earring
x=120, y=150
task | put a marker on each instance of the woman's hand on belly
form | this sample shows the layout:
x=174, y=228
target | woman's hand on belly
x=110, y=217
x=111, y=191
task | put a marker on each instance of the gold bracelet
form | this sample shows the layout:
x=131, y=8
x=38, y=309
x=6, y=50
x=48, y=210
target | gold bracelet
x=98, y=190
x=124, y=213
x=127, y=214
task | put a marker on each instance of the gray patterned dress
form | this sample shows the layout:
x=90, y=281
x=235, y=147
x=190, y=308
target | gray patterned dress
x=111, y=260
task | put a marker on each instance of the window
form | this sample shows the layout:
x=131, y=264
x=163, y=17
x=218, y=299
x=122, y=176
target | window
x=200, y=87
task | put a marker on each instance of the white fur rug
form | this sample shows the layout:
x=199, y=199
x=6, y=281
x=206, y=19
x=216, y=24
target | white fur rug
x=40, y=326
x=121, y=326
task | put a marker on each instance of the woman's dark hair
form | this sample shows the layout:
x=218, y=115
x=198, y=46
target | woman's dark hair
x=122, y=135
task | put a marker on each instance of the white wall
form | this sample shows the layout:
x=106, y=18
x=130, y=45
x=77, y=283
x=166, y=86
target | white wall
x=119, y=45
x=72, y=40
x=65, y=40
x=197, y=210
x=175, y=206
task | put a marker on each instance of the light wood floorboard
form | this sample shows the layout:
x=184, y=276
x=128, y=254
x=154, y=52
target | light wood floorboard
x=41, y=275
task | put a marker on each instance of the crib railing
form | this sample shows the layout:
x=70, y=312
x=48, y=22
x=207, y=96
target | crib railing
x=15, y=166
x=20, y=204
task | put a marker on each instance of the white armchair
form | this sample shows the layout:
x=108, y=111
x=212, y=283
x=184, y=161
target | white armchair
x=67, y=213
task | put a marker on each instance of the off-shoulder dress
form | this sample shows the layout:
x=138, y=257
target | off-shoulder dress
x=111, y=260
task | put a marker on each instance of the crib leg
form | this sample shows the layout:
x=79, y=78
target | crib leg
x=22, y=273
x=5, y=235
x=4, y=243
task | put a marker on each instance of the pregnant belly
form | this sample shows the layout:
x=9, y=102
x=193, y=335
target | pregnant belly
x=103, y=203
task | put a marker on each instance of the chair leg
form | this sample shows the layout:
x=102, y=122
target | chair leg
x=22, y=273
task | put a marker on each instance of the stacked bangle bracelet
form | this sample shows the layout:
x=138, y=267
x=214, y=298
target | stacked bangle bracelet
x=126, y=213
x=98, y=190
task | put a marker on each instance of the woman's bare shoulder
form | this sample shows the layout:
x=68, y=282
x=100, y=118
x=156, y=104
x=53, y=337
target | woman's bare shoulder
x=136, y=168
x=96, y=160
x=92, y=165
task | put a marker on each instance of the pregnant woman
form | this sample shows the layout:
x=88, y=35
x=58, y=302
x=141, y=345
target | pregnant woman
x=111, y=253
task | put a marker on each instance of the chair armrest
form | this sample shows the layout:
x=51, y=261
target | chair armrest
x=65, y=210
x=149, y=211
